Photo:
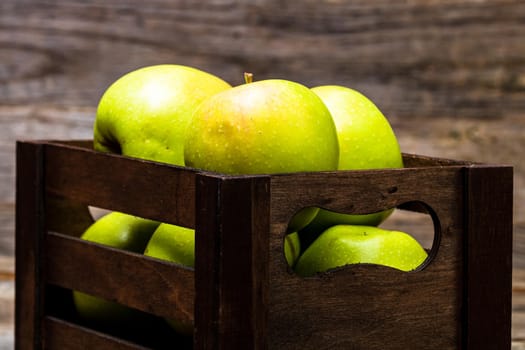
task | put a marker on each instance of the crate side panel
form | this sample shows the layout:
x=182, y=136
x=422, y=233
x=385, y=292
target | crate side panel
x=361, y=306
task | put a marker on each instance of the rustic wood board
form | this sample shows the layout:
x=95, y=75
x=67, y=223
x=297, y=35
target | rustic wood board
x=438, y=58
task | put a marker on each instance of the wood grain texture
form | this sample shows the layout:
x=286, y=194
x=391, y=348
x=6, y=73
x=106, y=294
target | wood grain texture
x=143, y=283
x=488, y=269
x=116, y=190
x=348, y=301
x=249, y=295
x=234, y=294
x=452, y=58
x=30, y=228
x=448, y=73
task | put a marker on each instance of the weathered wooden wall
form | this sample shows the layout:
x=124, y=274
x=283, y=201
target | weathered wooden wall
x=449, y=74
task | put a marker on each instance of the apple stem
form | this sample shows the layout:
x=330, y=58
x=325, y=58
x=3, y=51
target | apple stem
x=248, y=77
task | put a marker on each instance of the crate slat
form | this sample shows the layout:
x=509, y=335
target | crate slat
x=143, y=188
x=144, y=283
x=366, y=191
x=60, y=334
x=417, y=160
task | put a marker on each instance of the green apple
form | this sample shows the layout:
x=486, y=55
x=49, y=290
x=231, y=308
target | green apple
x=264, y=127
x=366, y=138
x=301, y=219
x=341, y=245
x=145, y=112
x=366, y=141
x=326, y=219
x=173, y=243
x=121, y=231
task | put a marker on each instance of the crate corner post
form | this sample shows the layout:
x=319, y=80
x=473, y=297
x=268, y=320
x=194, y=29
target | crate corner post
x=231, y=276
x=30, y=229
x=488, y=257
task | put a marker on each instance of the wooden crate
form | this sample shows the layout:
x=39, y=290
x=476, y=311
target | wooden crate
x=241, y=294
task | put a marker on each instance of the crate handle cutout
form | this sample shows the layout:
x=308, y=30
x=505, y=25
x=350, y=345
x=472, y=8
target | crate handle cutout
x=316, y=240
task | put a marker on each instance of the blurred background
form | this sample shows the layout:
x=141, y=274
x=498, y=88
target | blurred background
x=448, y=74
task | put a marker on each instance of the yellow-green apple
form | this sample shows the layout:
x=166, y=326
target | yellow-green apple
x=366, y=138
x=145, y=112
x=366, y=141
x=268, y=126
x=121, y=231
x=341, y=245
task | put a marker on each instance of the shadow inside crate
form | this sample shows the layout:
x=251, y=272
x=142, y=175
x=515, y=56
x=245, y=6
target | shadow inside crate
x=147, y=330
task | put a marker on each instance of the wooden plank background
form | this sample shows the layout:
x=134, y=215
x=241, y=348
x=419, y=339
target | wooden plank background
x=449, y=74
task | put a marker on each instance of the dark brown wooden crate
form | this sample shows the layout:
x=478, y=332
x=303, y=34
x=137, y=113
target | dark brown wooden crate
x=241, y=294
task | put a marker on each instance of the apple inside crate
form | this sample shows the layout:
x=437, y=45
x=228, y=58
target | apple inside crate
x=242, y=293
